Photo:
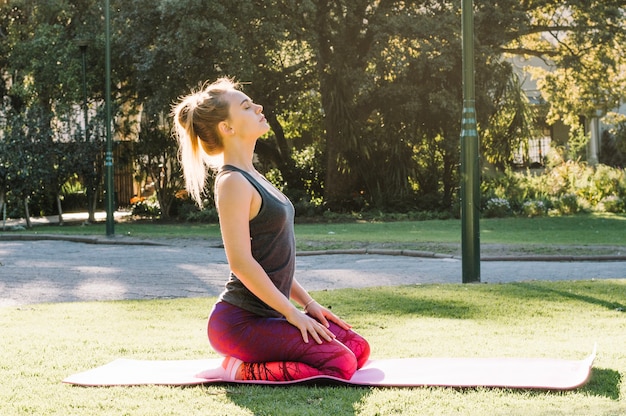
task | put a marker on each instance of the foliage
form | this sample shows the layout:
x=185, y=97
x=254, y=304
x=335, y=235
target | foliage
x=567, y=204
x=40, y=92
x=308, y=162
x=496, y=207
x=510, y=127
x=146, y=207
x=613, y=143
x=28, y=157
x=576, y=148
x=206, y=215
x=155, y=154
x=562, y=189
x=612, y=203
x=363, y=97
x=534, y=208
x=583, y=43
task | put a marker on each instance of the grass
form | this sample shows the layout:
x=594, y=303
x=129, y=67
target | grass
x=41, y=344
x=592, y=229
x=533, y=235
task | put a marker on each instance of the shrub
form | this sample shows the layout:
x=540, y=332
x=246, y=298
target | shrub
x=497, y=208
x=604, y=182
x=567, y=204
x=612, y=203
x=535, y=208
x=566, y=187
x=307, y=208
x=206, y=215
x=146, y=207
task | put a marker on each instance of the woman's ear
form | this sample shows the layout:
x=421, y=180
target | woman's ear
x=224, y=128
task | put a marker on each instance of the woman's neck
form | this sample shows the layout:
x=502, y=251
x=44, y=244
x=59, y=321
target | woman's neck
x=240, y=157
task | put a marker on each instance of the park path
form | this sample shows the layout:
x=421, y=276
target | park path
x=43, y=270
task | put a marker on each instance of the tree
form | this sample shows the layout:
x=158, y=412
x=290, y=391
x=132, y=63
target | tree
x=42, y=73
x=387, y=81
x=156, y=155
x=375, y=86
x=26, y=154
x=582, y=43
x=246, y=39
x=510, y=127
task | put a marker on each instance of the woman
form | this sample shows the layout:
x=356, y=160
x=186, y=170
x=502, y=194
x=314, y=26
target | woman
x=262, y=334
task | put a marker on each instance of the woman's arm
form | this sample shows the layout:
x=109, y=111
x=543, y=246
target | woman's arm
x=300, y=295
x=237, y=203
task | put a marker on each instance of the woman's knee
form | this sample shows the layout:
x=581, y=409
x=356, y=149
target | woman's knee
x=358, y=345
x=362, y=352
x=343, y=366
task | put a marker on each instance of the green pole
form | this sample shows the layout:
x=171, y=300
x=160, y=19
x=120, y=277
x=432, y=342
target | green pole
x=470, y=179
x=108, y=159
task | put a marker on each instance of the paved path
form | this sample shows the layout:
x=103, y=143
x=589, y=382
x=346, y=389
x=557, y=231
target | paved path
x=63, y=271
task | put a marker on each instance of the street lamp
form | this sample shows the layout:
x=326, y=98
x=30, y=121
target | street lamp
x=470, y=179
x=108, y=160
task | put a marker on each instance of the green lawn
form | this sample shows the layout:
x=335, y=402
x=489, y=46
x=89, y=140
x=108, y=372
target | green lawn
x=533, y=235
x=41, y=344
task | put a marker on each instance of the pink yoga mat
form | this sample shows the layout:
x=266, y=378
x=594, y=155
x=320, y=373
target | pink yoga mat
x=526, y=373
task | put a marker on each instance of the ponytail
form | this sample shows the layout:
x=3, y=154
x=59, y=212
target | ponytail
x=196, y=117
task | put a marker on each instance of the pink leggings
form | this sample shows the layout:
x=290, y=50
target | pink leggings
x=272, y=349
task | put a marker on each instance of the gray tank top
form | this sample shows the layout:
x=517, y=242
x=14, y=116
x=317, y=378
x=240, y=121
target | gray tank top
x=273, y=246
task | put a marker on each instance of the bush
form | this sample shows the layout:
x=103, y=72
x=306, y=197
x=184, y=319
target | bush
x=74, y=202
x=535, y=208
x=145, y=207
x=604, y=182
x=306, y=208
x=612, y=203
x=206, y=215
x=497, y=208
x=567, y=204
x=566, y=188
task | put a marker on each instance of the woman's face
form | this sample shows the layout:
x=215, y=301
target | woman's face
x=245, y=117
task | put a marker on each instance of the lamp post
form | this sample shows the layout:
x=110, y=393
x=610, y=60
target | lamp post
x=108, y=159
x=470, y=189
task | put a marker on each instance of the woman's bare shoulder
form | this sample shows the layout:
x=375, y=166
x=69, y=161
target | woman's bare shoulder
x=232, y=184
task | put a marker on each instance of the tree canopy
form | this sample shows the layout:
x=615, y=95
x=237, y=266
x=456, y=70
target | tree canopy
x=364, y=97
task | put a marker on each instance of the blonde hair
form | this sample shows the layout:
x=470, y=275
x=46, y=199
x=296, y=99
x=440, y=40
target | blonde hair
x=196, y=119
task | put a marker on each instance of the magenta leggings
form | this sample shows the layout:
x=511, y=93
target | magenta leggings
x=272, y=349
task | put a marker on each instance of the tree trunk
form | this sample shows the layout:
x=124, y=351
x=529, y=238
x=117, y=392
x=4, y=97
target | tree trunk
x=60, y=209
x=3, y=208
x=91, y=199
x=27, y=213
x=337, y=183
x=340, y=136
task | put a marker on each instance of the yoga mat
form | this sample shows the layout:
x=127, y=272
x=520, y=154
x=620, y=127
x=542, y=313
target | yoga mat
x=525, y=373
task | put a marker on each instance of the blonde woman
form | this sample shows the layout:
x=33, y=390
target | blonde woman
x=261, y=333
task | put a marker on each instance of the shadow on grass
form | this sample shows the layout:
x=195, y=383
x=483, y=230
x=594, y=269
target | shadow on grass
x=594, y=293
x=447, y=304
x=302, y=399
x=344, y=400
x=400, y=301
x=604, y=382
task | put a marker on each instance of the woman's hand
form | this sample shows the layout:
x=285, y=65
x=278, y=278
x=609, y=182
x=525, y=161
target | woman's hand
x=319, y=316
x=324, y=315
x=309, y=326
